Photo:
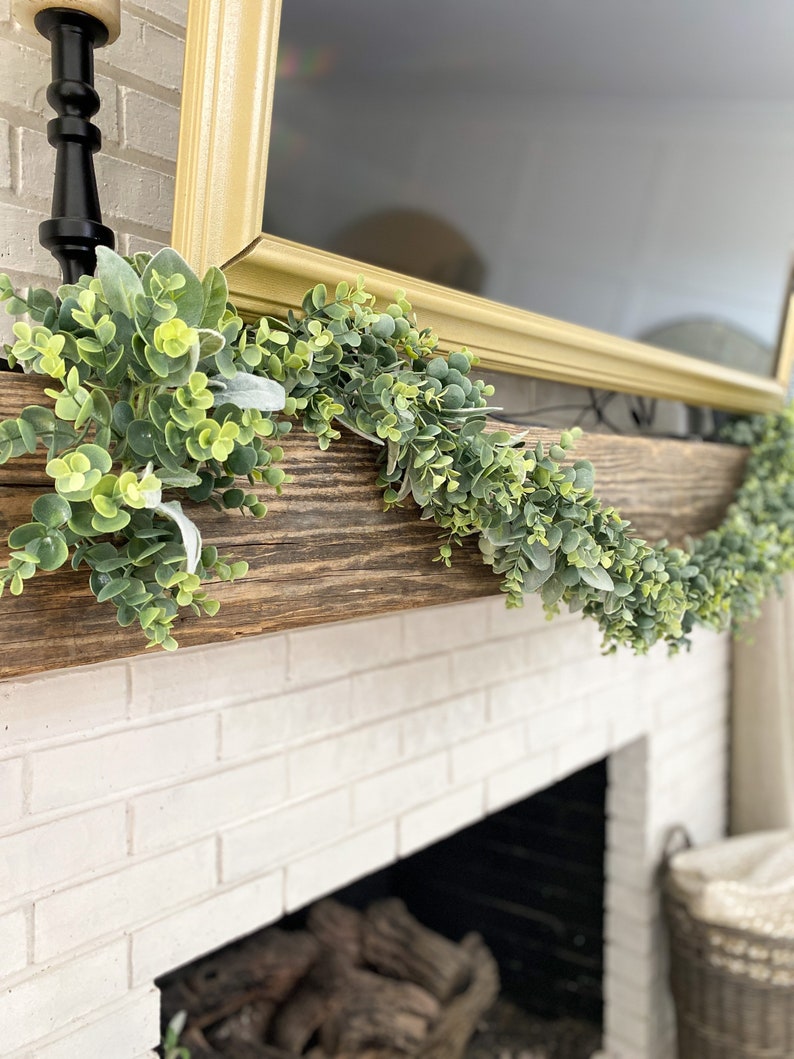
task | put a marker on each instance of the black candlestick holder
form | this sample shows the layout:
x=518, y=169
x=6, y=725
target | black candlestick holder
x=75, y=229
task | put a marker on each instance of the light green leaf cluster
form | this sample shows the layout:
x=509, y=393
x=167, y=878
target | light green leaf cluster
x=137, y=354
x=161, y=387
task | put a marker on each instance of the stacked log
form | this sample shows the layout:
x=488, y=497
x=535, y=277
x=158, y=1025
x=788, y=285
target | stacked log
x=352, y=985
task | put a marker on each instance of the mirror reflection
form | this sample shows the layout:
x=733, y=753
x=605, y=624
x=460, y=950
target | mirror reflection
x=625, y=166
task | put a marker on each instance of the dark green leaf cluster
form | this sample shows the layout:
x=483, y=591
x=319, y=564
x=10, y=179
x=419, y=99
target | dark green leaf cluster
x=159, y=386
x=538, y=522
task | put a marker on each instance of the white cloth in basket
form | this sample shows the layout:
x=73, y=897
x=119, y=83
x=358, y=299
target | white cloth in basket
x=745, y=882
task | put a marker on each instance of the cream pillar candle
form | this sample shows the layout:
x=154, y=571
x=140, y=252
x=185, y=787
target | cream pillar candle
x=108, y=12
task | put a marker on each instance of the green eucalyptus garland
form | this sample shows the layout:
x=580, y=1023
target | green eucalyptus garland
x=158, y=385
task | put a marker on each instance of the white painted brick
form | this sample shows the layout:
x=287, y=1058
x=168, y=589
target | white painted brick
x=11, y=793
x=337, y=650
x=488, y=753
x=444, y=816
x=634, y=868
x=5, y=154
x=339, y=864
x=121, y=1032
x=201, y=676
x=512, y=621
x=582, y=749
x=625, y=966
x=629, y=996
x=256, y=726
x=63, y=703
x=264, y=723
x=480, y=665
x=604, y=671
x=631, y=1032
x=698, y=725
x=13, y=941
x=107, y=118
x=640, y=938
x=627, y=837
x=117, y=902
x=37, y=154
x=134, y=193
x=626, y=723
x=52, y=854
x=165, y=817
x=525, y=696
x=130, y=244
x=281, y=836
x=173, y=10
x=53, y=997
x=640, y=903
x=673, y=770
x=389, y=793
x=20, y=248
x=628, y=780
x=567, y=643
x=443, y=724
x=145, y=50
x=434, y=630
x=149, y=125
x=24, y=76
x=203, y=927
x=98, y=768
x=319, y=766
x=37, y=165
x=383, y=692
x=518, y=781
x=553, y=727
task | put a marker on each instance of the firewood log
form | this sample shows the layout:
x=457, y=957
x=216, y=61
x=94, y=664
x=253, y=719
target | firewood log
x=458, y=1020
x=337, y=927
x=266, y=966
x=376, y=1013
x=396, y=944
x=311, y=1003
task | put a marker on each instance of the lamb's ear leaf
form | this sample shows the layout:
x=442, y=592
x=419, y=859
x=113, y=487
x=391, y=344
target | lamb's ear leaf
x=250, y=391
x=120, y=282
x=191, y=537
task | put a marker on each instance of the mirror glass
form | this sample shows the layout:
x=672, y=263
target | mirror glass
x=621, y=165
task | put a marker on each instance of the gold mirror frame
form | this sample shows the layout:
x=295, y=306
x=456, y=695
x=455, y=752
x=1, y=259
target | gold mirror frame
x=227, y=101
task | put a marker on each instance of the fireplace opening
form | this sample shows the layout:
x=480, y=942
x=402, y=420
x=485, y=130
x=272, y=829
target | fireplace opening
x=529, y=880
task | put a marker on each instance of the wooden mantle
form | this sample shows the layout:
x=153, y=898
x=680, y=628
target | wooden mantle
x=326, y=550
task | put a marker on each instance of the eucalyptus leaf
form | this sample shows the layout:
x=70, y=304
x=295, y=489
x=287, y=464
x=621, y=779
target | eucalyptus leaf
x=189, y=298
x=215, y=291
x=597, y=577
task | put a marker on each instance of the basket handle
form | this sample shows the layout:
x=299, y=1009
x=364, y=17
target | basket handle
x=678, y=839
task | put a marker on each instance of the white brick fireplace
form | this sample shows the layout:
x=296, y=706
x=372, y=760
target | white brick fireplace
x=153, y=810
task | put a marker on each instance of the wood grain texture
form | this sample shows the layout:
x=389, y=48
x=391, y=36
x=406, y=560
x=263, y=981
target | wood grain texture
x=326, y=551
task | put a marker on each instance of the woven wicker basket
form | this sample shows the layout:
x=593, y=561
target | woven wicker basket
x=733, y=989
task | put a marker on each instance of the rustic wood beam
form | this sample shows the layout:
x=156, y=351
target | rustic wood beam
x=326, y=551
